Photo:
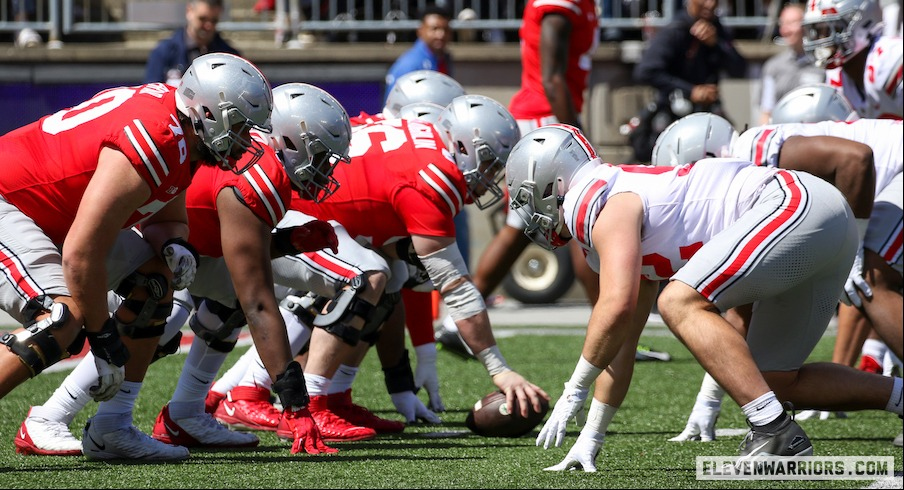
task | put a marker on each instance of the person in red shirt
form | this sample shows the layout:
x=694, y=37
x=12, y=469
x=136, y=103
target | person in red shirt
x=84, y=176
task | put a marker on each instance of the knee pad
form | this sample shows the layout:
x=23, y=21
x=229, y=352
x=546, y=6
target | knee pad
x=305, y=307
x=371, y=331
x=219, y=337
x=150, y=313
x=36, y=346
x=290, y=387
x=168, y=348
x=342, y=309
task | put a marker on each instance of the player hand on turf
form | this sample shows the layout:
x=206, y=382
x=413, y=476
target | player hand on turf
x=856, y=282
x=426, y=376
x=412, y=408
x=110, y=357
x=582, y=456
x=701, y=425
x=570, y=405
x=305, y=434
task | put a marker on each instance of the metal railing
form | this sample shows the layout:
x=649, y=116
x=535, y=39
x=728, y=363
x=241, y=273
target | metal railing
x=58, y=18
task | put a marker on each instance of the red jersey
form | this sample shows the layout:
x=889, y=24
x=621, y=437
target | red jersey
x=401, y=182
x=364, y=118
x=47, y=164
x=265, y=188
x=530, y=101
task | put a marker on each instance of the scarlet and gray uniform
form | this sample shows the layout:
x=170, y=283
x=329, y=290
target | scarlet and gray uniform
x=885, y=233
x=264, y=188
x=738, y=234
x=883, y=92
x=401, y=182
x=46, y=168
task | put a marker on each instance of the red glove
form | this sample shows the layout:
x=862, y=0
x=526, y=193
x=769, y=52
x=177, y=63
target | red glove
x=304, y=432
x=313, y=236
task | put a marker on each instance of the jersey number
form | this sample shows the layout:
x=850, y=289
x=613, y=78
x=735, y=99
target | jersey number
x=388, y=137
x=91, y=109
x=663, y=266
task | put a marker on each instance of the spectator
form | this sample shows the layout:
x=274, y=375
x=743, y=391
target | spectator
x=430, y=51
x=172, y=56
x=684, y=62
x=792, y=67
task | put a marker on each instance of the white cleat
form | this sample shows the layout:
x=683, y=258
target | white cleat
x=43, y=437
x=819, y=414
x=128, y=443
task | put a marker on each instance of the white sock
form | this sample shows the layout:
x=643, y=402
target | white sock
x=200, y=369
x=122, y=402
x=72, y=395
x=343, y=379
x=256, y=374
x=763, y=410
x=182, y=306
x=449, y=324
x=895, y=404
x=298, y=332
x=875, y=349
x=233, y=376
x=599, y=416
x=317, y=385
x=890, y=362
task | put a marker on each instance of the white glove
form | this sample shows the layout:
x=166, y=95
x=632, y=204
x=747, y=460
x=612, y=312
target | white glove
x=855, y=281
x=409, y=405
x=425, y=375
x=583, y=454
x=701, y=425
x=109, y=378
x=570, y=405
x=182, y=259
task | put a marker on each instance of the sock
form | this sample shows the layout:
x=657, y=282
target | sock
x=256, y=374
x=317, y=385
x=72, y=395
x=122, y=402
x=343, y=379
x=233, y=376
x=599, y=416
x=895, y=404
x=200, y=369
x=875, y=349
x=763, y=410
x=890, y=362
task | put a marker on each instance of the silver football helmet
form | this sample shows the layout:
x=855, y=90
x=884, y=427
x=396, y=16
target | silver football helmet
x=311, y=134
x=226, y=96
x=539, y=172
x=694, y=137
x=813, y=103
x=425, y=111
x=480, y=133
x=836, y=30
x=421, y=86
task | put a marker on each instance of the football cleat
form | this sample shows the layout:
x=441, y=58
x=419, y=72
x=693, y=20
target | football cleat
x=870, y=364
x=788, y=440
x=341, y=404
x=200, y=430
x=42, y=437
x=333, y=428
x=646, y=353
x=127, y=443
x=819, y=414
x=212, y=402
x=248, y=408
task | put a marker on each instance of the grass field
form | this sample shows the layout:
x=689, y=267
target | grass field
x=636, y=454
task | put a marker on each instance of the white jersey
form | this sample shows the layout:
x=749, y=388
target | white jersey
x=882, y=81
x=762, y=144
x=684, y=207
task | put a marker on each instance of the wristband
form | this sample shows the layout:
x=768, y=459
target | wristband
x=584, y=374
x=862, y=225
x=492, y=359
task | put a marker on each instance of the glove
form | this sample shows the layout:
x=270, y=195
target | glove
x=305, y=434
x=313, y=236
x=110, y=356
x=425, y=375
x=701, y=425
x=183, y=260
x=854, y=282
x=583, y=454
x=409, y=405
x=570, y=405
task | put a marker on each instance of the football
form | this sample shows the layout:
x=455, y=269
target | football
x=491, y=417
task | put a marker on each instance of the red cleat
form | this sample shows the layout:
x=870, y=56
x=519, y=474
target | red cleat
x=341, y=404
x=213, y=401
x=333, y=428
x=870, y=364
x=247, y=407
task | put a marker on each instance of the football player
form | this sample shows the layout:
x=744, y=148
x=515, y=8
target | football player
x=725, y=233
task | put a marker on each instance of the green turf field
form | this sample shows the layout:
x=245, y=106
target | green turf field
x=636, y=454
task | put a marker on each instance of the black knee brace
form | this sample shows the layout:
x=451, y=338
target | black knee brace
x=36, y=346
